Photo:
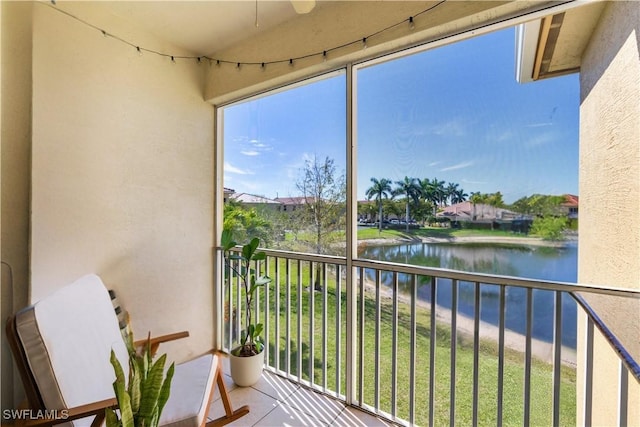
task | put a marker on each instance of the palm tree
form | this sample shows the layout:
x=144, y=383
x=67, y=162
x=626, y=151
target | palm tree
x=411, y=189
x=450, y=190
x=458, y=196
x=476, y=197
x=433, y=191
x=380, y=189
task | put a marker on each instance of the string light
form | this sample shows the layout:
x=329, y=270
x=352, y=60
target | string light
x=323, y=54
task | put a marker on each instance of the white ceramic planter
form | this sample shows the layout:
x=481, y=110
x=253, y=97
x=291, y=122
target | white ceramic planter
x=246, y=371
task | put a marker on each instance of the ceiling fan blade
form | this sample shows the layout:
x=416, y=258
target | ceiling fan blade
x=303, y=6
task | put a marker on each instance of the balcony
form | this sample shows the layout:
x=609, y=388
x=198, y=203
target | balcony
x=275, y=400
x=378, y=342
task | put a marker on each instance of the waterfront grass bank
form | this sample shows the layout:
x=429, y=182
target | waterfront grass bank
x=376, y=357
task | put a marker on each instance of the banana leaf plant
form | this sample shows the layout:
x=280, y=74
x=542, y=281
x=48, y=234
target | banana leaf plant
x=239, y=265
x=141, y=399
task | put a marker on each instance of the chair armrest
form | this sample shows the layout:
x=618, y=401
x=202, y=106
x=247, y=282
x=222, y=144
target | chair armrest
x=51, y=418
x=156, y=341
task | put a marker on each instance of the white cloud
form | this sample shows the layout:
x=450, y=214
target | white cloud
x=229, y=168
x=457, y=166
x=250, y=153
x=454, y=127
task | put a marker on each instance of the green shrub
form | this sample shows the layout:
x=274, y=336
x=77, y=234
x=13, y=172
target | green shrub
x=549, y=228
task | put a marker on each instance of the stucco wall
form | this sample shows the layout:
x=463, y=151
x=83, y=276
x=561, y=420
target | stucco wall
x=122, y=173
x=16, y=171
x=609, y=247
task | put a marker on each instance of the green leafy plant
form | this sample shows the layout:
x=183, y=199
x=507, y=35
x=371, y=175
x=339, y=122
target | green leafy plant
x=142, y=398
x=239, y=265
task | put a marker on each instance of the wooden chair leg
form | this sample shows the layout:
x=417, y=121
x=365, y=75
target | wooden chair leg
x=230, y=414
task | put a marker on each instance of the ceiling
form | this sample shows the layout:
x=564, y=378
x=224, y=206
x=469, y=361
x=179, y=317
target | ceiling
x=201, y=27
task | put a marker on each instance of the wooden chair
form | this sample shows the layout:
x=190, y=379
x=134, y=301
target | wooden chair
x=62, y=344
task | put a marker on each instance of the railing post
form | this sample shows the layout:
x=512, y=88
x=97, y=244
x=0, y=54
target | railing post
x=351, y=234
x=623, y=394
x=588, y=382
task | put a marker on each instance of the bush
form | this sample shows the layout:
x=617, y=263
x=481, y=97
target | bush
x=549, y=228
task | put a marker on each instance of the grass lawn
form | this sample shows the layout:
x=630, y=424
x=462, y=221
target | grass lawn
x=373, y=233
x=317, y=349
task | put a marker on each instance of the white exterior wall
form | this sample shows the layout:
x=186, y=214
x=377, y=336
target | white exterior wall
x=609, y=246
x=122, y=174
x=15, y=135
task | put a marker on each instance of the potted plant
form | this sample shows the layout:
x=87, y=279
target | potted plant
x=141, y=398
x=247, y=359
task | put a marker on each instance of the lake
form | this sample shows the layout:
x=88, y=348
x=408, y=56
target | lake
x=534, y=262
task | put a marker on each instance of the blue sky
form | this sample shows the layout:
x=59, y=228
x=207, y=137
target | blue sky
x=455, y=113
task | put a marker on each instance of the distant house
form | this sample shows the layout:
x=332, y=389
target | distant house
x=253, y=200
x=227, y=193
x=570, y=206
x=467, y=211
x=290, y=204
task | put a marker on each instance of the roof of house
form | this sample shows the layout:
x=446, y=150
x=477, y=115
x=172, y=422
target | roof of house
x=466, y=210
x=291, y=200
x=571, y=201
x=253, y=199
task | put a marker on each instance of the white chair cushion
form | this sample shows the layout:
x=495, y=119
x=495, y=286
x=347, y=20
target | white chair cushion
x=68, y=338
x=190, y=390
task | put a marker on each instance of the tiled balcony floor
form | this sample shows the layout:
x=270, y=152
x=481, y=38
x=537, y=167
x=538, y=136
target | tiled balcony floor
x=275, y=401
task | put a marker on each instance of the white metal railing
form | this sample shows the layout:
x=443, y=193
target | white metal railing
x=401, y=336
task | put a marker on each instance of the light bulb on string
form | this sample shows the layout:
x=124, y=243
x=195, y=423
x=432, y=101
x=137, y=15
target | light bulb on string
x=412, y=25
x=364, y=43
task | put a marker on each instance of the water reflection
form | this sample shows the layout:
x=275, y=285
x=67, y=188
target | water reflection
x=544, y=263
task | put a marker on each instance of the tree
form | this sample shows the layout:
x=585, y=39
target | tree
x=458, y=196
x=450, y=191
x=476, y=198
x=366, y=210
x=432, y=192
x=410, y=189
x=324, y=194
x=380, y=189
x=540, y=205
x=245, y=221
x=495, y=199
x=549, y=228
